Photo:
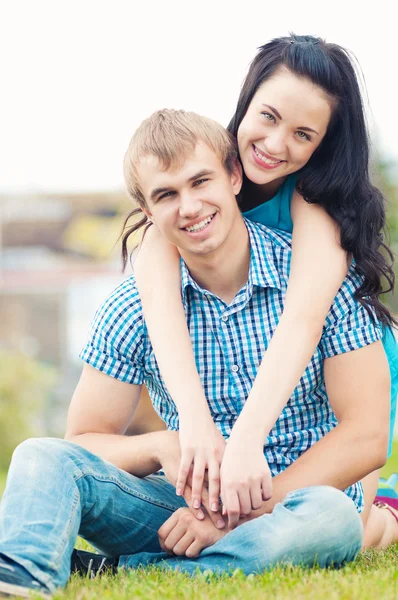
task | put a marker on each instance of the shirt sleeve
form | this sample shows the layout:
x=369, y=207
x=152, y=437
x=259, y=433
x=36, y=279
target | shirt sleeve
x=117, y=339
x=349, y=325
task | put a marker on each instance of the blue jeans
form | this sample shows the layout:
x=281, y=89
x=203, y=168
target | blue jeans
x=57, y=490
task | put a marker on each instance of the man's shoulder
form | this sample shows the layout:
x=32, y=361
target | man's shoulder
x=125, y=294
x=121, y=305
x=345, y=300
x=117, y=340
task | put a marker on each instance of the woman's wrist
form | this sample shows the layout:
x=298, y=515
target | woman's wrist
x=197, y=412
x=249, y=432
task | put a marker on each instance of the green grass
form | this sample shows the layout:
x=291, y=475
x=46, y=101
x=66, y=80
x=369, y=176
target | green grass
x=391, y=465
x=3, y=477
x=374, y=575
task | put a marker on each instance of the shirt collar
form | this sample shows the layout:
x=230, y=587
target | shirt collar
x=264, y=242
x=262, y=271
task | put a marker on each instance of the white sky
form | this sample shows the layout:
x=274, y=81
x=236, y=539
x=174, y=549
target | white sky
x=77, y=76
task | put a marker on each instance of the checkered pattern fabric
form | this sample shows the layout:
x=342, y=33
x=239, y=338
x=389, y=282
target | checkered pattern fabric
x=229, y=342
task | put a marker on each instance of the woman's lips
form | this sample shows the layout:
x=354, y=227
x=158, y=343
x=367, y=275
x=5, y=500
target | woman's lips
x=271, y=164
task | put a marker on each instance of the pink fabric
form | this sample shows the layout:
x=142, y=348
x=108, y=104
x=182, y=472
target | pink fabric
x=388, y=503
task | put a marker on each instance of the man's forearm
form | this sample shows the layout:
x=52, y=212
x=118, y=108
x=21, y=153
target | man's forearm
x=138, y=455
x=340, y=459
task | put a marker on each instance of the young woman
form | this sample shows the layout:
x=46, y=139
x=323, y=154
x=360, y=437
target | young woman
x=303, y=146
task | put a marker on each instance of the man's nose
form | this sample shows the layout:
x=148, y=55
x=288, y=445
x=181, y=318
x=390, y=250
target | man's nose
x=190, y=205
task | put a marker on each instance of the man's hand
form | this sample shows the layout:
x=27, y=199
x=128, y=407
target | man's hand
x=202, y=448
x=169, y=457
x=182, y=534
x=246, y=480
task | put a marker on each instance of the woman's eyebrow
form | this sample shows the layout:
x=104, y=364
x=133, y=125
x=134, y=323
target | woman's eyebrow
x=274, y=110
x=279, y=117
x=308, y=129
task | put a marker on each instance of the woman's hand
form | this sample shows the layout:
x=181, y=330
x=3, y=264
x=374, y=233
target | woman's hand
x=202, y=449
x=246, y=479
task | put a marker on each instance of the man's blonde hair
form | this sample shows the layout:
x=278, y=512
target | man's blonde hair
x=170, y=136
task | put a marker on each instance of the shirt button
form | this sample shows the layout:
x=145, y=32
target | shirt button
x=234, y=368
x=224, y=318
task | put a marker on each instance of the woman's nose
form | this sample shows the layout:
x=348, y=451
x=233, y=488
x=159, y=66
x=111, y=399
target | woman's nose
x=275, y=144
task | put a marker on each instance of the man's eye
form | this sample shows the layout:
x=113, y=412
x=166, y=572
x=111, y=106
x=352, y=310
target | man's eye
x=303, y=136
x=200, y=181
x=166, y=195
x=268, y=117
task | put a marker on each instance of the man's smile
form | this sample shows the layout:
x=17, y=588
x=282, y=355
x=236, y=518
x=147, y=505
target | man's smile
x=199, y=225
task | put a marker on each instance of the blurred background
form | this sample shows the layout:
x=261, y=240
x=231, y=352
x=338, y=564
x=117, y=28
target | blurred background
x=77, y=78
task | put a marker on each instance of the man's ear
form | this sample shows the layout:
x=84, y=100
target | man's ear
x=236, y=177
x=146, y=212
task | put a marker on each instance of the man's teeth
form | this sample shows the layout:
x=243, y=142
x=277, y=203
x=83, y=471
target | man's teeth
x=269, y=161
x=200, y=226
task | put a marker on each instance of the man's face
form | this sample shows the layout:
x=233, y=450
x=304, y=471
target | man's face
x=194, y=206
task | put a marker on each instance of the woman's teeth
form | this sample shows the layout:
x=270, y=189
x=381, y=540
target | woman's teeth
x=199, y=226
x=268, y=161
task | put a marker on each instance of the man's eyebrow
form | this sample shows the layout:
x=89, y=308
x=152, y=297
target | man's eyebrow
x=161, y=190
x=279, y=117
x=200, y=174
x=157, y=191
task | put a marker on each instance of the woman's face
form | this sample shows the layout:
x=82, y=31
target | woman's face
x=284, y=124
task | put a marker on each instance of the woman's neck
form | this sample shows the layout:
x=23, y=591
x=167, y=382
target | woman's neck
x=253, y=194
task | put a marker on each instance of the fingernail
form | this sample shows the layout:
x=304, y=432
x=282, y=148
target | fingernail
x=179, y=492
x=200, y=515
x=220, y=523
x=196, y=504
x=214, y=507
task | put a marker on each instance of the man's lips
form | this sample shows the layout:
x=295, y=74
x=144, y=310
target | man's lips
x=198, y=224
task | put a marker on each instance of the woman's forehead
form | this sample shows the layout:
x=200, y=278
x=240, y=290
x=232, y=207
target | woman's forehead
x=293, y=98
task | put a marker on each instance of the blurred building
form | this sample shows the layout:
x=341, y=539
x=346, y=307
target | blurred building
x=60, y=257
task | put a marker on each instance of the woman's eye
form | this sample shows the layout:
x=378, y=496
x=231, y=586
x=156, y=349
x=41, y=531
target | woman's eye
x=268, y=117
x=303, y=136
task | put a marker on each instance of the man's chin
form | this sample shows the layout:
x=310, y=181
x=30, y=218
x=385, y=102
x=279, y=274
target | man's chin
x=197, y=249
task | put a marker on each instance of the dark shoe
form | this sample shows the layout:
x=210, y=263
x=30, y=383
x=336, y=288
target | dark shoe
x=91, y=565
x=13, y=583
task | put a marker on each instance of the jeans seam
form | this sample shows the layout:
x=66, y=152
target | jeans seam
x=65, y=537
x=131, y=492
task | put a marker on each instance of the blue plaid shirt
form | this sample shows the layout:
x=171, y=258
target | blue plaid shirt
x=229, y=342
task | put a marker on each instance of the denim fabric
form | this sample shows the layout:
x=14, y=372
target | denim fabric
x=57, y=490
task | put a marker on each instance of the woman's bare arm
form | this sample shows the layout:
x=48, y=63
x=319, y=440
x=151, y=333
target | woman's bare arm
x=157, y=271
x=318, y=267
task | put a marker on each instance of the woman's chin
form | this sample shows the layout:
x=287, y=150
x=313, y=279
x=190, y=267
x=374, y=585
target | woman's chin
x=259, y=177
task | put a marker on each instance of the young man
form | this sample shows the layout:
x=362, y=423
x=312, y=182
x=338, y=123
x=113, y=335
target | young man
x=99, y=483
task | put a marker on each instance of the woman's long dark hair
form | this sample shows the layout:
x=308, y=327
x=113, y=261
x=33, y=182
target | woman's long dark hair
x=337, y=174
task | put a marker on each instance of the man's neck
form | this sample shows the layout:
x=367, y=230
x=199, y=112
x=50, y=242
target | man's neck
x=225, y=271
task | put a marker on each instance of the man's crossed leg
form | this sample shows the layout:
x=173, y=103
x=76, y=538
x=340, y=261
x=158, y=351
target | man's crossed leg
x=57, y=490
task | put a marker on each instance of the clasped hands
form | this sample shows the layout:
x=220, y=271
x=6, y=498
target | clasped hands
x=210, y=467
